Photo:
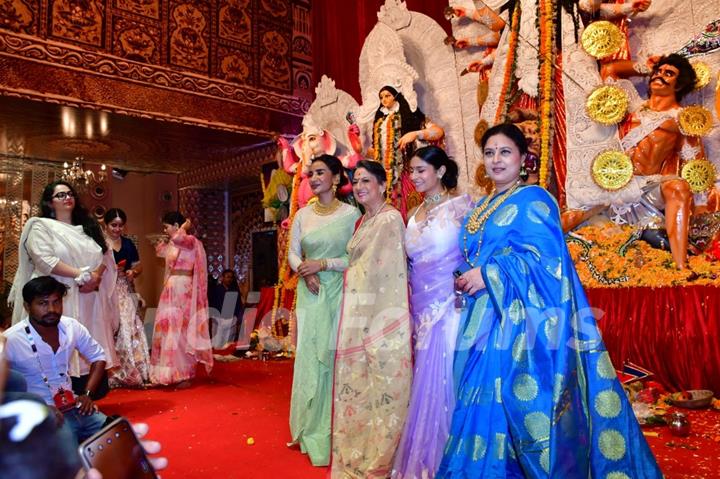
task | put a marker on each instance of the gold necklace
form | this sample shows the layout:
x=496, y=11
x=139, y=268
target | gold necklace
x=479, y=217
x=325, y=210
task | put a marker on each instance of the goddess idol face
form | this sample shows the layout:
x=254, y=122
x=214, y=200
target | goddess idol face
x=387, y=99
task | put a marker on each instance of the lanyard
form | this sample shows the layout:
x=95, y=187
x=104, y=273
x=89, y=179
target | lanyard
x=37, y=356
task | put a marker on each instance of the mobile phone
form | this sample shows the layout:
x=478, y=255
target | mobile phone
x=116, y=452
x=457, y=273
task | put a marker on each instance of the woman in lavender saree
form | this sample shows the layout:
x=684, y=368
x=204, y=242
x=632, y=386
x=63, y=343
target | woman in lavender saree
x=433, y=256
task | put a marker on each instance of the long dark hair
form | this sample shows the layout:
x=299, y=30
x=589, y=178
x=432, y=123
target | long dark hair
x=113, y=213
x=436, y=156
x=80, y=215
x=409, y=120
x=335, y=166
x=173, y=217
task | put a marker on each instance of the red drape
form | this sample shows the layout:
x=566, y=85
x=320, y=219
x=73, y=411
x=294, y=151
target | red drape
x=674, y=332
x=339, y=31
x=266, y=302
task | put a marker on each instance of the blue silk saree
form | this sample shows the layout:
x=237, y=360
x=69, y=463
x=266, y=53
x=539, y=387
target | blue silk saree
x=537, y=395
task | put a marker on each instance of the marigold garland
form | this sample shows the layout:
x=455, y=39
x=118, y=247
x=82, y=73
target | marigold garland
x=547, y=28
x=509, y=64
x=284, y=273
x=388, y=156
x=602, y=264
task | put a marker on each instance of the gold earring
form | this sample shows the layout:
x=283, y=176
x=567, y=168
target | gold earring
x=334, y=188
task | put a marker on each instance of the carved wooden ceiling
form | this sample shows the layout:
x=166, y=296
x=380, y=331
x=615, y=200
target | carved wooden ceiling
x=48, y=131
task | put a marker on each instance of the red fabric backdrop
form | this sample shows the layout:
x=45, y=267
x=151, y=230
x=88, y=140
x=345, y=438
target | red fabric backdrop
x=339, y=31
x=674, y=332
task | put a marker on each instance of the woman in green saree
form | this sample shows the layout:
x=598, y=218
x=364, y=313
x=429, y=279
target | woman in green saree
x=320, y=233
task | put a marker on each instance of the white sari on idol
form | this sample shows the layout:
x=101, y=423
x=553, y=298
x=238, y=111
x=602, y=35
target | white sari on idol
x=43, y=244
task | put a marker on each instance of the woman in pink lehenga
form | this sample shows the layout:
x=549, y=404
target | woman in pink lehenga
x=181, y=337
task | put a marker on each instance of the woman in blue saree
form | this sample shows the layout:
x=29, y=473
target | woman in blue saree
x=537, y=394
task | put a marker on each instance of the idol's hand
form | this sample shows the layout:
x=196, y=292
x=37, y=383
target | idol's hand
x=282, y=143
x=640, y=5
x=407, y=139
x=462, y=43
x=470, y=282
x=309, y=266
x=459, y=12
x=313, y=283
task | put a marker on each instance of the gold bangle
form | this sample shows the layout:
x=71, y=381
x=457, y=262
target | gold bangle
x=323, y=264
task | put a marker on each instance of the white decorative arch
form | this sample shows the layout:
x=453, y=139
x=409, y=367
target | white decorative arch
x=418, y=41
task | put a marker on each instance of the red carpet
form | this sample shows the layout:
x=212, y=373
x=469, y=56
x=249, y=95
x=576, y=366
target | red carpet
x=204, y=429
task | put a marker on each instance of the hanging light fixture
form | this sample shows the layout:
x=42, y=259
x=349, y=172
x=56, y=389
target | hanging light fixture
x=80, y=177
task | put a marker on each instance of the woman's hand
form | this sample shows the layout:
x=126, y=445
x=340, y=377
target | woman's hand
x=309, y=266
x=93, y=284
x=186, y=226
x=130, y=274
x=312, y=282
x=407, y=139
x=470, y=282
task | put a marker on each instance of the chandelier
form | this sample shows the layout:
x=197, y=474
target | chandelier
x=79, y=177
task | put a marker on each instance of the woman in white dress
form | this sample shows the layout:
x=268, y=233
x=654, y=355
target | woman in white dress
x=67, y=243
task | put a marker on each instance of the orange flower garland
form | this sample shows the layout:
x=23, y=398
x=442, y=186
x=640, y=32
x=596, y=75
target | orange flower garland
x=388, y=158
x=509, y=63
x=547, y=29
x=284, y=274
x=642, y=264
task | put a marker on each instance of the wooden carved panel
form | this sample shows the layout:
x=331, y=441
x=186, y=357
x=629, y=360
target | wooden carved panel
x=19, y=16
x=235, y=21
x=189, y=44
x=146, y=8
x=276, y=9
x=275, y=71
x=81, y=21
x=234, y=65
x=136, y=41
